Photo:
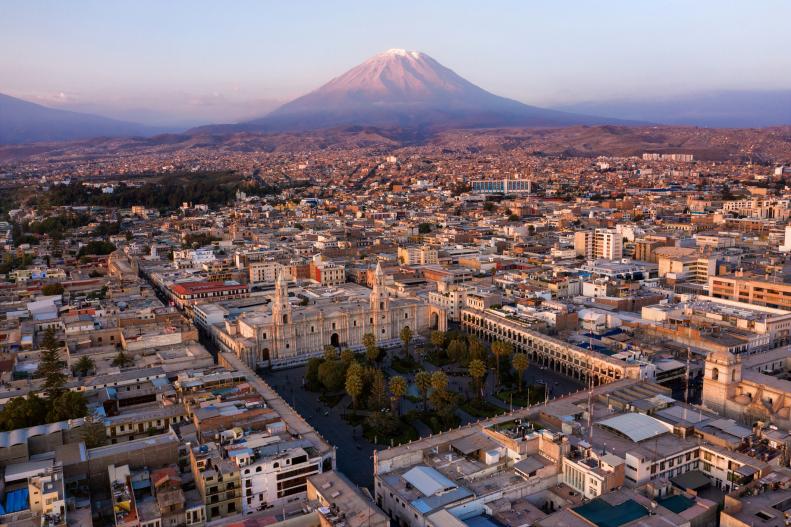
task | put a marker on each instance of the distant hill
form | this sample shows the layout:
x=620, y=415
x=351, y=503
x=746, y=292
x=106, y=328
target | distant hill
x=25, y=122
x=407, y=90
x=759, y=145
x=720, y=109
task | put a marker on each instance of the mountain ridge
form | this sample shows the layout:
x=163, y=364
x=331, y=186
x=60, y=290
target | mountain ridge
x=23, y=121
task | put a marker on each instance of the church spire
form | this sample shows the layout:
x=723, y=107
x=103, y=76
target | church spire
x=281, y=307
x=379, y=299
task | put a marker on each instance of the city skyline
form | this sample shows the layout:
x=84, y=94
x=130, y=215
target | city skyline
x=177, y=64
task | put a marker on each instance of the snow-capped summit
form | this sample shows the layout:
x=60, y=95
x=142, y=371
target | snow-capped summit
x=407, y=89
x=402, y=52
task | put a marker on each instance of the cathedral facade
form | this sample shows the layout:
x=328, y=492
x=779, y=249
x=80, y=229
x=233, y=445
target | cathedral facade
x=292, y=334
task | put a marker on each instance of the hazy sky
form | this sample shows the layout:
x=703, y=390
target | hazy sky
x=193, y=61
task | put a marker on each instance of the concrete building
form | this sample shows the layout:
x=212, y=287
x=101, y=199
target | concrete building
x=423, y=255
x=751, y=290
x=605, y=244
x=678, y=264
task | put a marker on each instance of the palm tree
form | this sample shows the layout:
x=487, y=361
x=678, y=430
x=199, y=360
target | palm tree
x=520, y=363
x=330, y=353
x=84, y=366
x=500, y=348
x=477, y=371
x=397, y=391
x=475, y=348
x=438, y=339
x=378, y=398
x=406, y=338
x=347, y=356
x=423, y=383
x=354, y=386
x=439, y=381
x=371, y=350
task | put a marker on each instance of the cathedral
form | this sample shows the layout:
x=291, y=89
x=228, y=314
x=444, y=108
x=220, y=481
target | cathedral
x=291, y=334
x=749, y=388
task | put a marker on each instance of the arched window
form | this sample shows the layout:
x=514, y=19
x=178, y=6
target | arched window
x=733, y=375
x=715, y=374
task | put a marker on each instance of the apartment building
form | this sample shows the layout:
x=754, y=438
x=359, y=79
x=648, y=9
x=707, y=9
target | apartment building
x=423, y=255
x=605, y=244
x=263, y=271
x=218, y=481
x=679, y=264
x=751, y=290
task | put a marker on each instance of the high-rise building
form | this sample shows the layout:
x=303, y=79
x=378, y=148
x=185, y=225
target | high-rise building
x=599, y=244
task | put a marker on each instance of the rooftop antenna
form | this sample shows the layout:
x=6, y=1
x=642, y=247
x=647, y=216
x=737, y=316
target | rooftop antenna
x=686, y=375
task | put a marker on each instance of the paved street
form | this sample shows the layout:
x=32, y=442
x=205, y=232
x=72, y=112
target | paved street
x=354, y=454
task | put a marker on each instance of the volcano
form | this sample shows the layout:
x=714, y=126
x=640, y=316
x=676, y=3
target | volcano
x=408, y=89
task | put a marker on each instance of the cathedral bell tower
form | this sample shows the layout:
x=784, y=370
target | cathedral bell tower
x=380, y=306
x=721, y=379
x=281, y=307
x=284, y=341
x=380, y=301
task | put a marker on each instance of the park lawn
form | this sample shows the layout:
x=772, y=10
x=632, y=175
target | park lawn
x=527, y=397
x=406, y=433
x=482, y=409
x=437, y=360
x=404, y=366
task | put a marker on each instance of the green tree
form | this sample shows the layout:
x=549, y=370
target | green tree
x=476, y=348
x=23, y=412
x=93, y=432
x=501, y=349
x=424, y=228
x=122, y=360
x=477, y=370
x=520, y=362
x=332, y=375
x=96, y=248
x=439, y=381
x=457, y=351
x=347, y=356
x=68, y=405
x=354, y=368
x=330, y=352
x=50, y=366
x=398, y=388
x=444, y=403
x=406, y=338
x=423, y=383
x=371, y=349
x=354, y=386
x=84, y=366
x=312, y=373
x=378, y=398
x=438, y=339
